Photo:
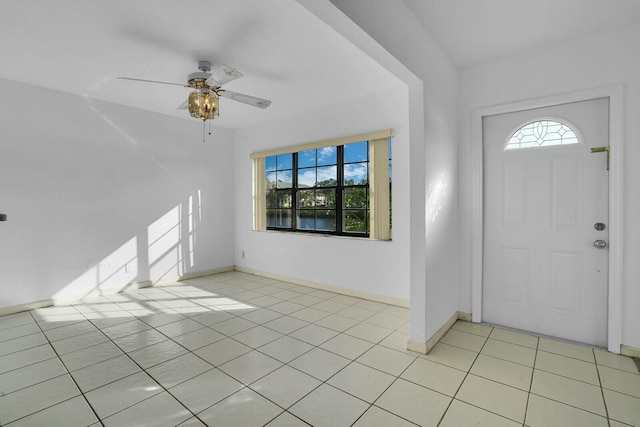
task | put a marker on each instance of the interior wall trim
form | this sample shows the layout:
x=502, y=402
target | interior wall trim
x=427, y=346
x=337, y=289
x=630, y=351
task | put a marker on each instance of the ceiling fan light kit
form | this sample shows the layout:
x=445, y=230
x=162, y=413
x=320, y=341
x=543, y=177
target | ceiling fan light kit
x=204, y=101
x=203, y=104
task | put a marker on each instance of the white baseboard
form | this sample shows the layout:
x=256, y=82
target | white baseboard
x=194, y=275
x=70, y=299
x=208, y=272
x=425, y=347
x=627, y=350
x=25, y=307
x=339, y=290
x=467, y=317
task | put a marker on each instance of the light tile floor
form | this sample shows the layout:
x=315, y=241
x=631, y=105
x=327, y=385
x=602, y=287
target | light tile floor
x=241, y=350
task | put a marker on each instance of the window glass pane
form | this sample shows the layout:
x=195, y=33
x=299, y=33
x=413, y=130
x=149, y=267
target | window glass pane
x=355, y=173
x=307, y=177
x=271, y=199
x=327, y=176
x=271, y=180
x=327, y=156
x=283, y=218
x=283, y=199
x=326, y=220
x=356, y=152
x=284, y=179
x=306, y=219
x=271, y=217
x=285, y=161
x=355, y=197
x=307, y=159
x=355, y=221
x=306, y=199
x=270, y=163
x=326, y=198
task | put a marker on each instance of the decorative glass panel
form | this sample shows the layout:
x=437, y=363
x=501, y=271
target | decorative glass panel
x=542, y=133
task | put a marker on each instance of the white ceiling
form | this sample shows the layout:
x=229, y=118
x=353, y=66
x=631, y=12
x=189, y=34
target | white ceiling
x=472, y=31
x=285, y=53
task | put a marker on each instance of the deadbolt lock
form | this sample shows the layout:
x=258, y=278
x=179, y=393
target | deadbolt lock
x=599, y=226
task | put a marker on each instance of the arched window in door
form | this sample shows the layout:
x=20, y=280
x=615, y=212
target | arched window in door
x=541, y=133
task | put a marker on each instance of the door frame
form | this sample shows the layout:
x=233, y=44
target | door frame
x=616, y=181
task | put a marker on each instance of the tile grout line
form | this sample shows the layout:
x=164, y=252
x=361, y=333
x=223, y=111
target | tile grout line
x=245, y=386
x=318, y=347
x=533, y=371
x=486, y=339
x=68, y=373
x=314, y=345
x=131, y=359
x=604, y=400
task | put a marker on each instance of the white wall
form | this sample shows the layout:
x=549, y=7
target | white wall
x=375, y=267
x=586, y=63
x=433, y=209
x=90, y=187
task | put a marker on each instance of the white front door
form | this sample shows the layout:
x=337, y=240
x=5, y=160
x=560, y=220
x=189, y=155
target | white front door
x=545, y=205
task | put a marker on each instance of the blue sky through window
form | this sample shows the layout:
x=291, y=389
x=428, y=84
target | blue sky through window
x=356, y=152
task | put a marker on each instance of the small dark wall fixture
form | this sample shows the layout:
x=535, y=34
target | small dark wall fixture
x=3, y=217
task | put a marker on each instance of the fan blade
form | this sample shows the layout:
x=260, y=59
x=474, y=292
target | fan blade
x=184, y=105
x=223, y=74
x=246, y=99
x=152, y=81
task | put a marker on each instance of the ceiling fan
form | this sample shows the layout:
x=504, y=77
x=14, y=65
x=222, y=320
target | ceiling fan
x=203, y=101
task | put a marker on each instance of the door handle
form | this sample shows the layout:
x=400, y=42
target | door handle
x=600, y=244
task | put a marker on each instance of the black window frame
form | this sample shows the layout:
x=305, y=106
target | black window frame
x=339, y=194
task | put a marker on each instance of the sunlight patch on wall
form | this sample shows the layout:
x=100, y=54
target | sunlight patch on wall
x=111, y=274
x=436, y=195
x=171, y=251
x=195, y=217
x=165, y=247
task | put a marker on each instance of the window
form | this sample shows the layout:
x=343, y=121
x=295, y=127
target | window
x=541, y=133
x=326, y=187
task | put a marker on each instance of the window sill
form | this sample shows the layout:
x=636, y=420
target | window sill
x=333, y=236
